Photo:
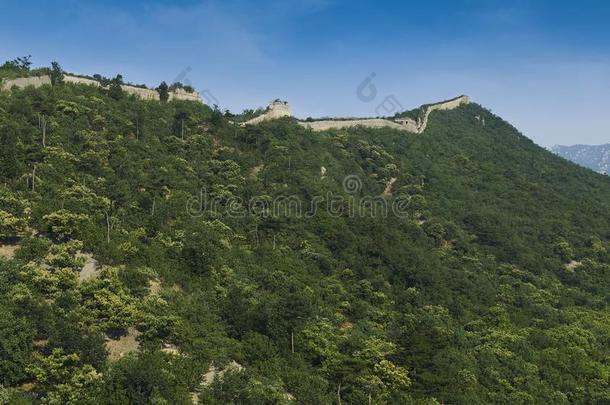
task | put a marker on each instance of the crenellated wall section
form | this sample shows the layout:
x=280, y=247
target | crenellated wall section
x=402, y=124
x=23, y=82
x=276, y=109
x=143, y=93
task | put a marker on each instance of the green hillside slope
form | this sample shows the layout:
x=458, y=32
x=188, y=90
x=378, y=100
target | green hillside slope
x=463, y=265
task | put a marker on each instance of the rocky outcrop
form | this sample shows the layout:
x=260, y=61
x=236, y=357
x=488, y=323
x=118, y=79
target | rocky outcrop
x=212, y=374
x=143, y=93
x=8, y=251
x=90, y=269
x=403, y=124
x=276, y=109
x=389, y=187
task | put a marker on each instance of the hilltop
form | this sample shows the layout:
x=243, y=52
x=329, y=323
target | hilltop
x=162, y=253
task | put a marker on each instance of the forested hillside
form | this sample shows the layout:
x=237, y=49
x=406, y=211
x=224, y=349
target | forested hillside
x=239, y=264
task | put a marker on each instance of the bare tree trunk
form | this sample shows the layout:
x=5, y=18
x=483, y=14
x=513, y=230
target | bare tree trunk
x=152, y=211
x=339, y=393
x=292, y=341
x=370, y=399
x=33, y=177
x=182, y=129
x=44, y=132
x=107, y=227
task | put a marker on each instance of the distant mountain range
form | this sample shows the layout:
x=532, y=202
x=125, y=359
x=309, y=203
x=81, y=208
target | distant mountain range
x=595, y=157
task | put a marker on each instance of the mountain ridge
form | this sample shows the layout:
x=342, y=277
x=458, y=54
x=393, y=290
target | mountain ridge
x=595, y=157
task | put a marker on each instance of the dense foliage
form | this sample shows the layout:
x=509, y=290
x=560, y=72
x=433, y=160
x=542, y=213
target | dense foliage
x=492, y=286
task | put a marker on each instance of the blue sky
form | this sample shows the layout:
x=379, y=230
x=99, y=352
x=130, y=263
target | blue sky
x=542, y=65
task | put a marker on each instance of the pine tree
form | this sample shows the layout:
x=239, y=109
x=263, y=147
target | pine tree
x=163, y=90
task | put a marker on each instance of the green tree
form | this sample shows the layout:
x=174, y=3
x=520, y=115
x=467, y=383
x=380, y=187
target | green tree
x=115, y=89
x=57, y=74
x=10, y=163
x=15, y=347
x=10, y=226
x=63, y=223
x=163, y=91
x=143, y=379
x=65, y=380
x=22, y=63
x=564, y=250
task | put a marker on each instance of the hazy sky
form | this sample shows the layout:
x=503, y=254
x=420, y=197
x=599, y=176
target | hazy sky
x=542, y=65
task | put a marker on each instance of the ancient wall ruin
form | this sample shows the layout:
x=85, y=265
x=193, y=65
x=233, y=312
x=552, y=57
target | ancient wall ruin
x=276, y=109
x=403, y=124
x=181, y=94
x=81, y=80
x=145, y=94
x=23, y=82
x=446, y=105
x=323, y=125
